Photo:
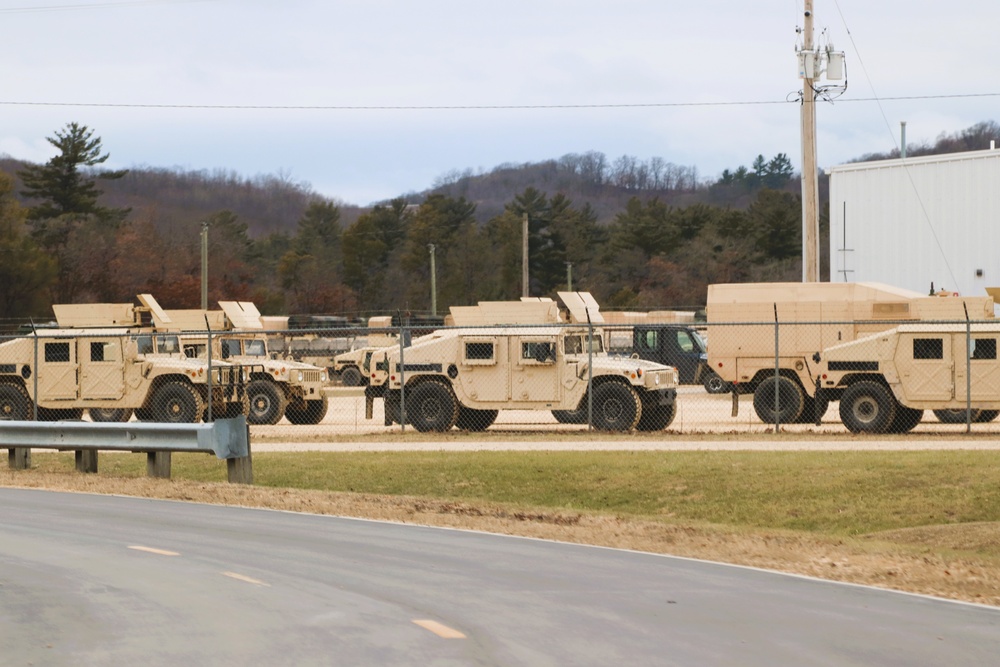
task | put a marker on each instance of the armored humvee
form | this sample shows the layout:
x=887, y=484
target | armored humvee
x=463, y=376
x=276, y=388
x=811, y=317
x=352, y=366
x=111, y=374
x=886, y=381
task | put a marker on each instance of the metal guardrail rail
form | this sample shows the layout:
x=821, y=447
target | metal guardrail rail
x=228, y=439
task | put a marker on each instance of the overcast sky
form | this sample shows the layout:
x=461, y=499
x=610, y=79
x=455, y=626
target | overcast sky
x=699, y=83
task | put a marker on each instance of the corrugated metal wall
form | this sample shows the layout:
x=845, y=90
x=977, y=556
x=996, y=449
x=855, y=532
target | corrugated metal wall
x=916, y=221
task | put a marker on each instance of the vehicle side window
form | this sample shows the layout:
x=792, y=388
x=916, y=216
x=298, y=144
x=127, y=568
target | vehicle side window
x=56, y=352
x=984, y=348
x=542, y=352
x=573, y=345
x=144, y=344
x=648, y=339
x=103, y=351
x=928, y=348
x=684, y=341
x=479, y=351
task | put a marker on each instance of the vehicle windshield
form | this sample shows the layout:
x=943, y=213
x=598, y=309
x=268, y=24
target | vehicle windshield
x=256, y=348
x=575, y=344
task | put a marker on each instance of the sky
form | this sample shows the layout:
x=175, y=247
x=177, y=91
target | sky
x=365, y=100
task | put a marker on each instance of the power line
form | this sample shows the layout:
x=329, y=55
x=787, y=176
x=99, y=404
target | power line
x=472, y=107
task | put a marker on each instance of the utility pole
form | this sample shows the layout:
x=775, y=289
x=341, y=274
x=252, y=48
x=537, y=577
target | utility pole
x=524, y=256
x=204, y=266
x=810, y=177
x=434, y=291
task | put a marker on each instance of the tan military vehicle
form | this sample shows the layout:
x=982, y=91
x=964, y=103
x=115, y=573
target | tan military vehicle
x=111, y=374
x=811, y=317
x=463, y=376
x=352, y=366
x=277, y=387
x=886, y=381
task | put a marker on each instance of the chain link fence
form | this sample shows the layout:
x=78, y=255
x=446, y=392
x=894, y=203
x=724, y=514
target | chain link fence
x=836, y=378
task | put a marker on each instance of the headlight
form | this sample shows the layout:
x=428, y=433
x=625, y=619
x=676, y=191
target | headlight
x=322, y=377
x=301, y=376
x=656, y=380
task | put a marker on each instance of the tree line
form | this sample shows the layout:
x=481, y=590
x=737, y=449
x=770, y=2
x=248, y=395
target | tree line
x=668, y=237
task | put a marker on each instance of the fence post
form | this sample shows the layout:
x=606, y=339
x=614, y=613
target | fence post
x=777, y=374
x=158, y=464
x=402, y=378
x=86, y=460
x=240, y=469
x=968, y=371
x=19, y=458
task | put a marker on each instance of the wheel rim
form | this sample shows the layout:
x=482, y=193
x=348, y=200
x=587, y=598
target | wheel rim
x=865, y=410
x=261, y=405
x=612, y=411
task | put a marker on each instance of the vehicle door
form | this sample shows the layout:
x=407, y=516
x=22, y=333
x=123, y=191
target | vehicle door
x=535, y=369
x=57, y=370
x=483, y=369
x=102, y=371
x=977, y=367
x=925, y=364
x=682, y=351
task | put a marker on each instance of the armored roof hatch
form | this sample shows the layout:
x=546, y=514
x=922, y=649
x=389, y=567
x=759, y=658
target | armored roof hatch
x=159, y=315
x=579, y=305
x=242, y=314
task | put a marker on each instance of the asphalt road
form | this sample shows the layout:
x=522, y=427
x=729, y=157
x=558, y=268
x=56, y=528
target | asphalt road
x=99, y=580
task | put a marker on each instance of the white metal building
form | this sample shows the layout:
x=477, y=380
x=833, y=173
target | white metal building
x=917, y=221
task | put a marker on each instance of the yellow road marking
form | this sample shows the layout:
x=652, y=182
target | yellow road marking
x=243, y=577
x=439, y=629
x=151, y=550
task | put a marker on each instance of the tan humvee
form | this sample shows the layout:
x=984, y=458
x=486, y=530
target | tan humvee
x=811, y=317
x=352, y=366
x=463, y=376
x=276, y=388
x=885, y=381
x=112, y=373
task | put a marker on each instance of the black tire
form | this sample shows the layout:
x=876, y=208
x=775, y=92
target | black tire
x=655, y=417
x=616, y=407
x=570, y=416
x=308, y=412
x=791, y=400
x=868, y=407
x=956, y=416
x=470, y=419
x=267, y=402
x=351, y=377
x=177, y=403
x=716, y=385
x=906, y=419
x=14, y=403
x=430, y=406
x=144, y=414
x=59, y=414
x=109, y=414
x=813, y=409
x=987, y=416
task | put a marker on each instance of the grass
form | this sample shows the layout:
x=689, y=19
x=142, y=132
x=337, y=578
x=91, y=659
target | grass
x=831, y=494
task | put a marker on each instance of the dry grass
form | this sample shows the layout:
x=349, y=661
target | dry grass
x=935, y=560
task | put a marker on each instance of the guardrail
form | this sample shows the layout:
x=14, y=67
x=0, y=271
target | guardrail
x=228, y=439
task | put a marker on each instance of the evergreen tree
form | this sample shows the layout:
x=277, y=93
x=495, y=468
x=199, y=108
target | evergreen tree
x=26, y=272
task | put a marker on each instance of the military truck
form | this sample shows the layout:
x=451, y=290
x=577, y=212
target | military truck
x=811, y=317
x=463, y=376
x=63, y=372
x=679, y=345
x=275, y=388
x=886, y=381
x=312, y=339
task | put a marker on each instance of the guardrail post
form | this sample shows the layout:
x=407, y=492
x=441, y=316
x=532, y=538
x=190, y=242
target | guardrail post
x=19, y=458
x=86, y=460
x=240, y=469
x=158, y=464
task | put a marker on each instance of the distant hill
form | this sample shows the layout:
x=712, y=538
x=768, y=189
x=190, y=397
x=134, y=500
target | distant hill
x=268, y=204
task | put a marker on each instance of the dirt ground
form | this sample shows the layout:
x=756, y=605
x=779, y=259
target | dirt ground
x=905, y=563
